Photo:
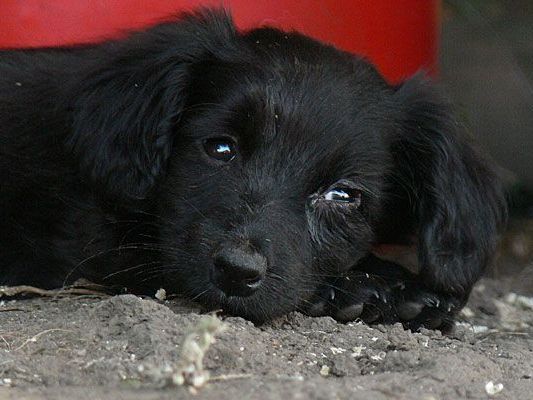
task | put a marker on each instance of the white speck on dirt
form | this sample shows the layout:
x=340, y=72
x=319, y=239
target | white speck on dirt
x=161, y=294
x=493, y=388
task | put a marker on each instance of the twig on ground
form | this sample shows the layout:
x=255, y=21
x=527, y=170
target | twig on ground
x=10, y=291
x=34, y=338
x=228, y=377
x=190, y=369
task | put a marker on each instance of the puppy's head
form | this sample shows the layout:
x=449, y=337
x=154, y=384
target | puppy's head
x=274, y=162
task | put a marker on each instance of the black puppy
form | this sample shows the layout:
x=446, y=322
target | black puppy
x=253, y=172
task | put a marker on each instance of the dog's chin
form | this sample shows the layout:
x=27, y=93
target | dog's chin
x=258, y=308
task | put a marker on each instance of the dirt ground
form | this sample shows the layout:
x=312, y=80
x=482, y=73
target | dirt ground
x=126, y=347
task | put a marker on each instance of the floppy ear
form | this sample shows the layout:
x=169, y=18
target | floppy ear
x=443, y=194
x=130, y=98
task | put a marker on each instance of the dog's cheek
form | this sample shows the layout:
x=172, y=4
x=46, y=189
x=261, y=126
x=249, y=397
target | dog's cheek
x=283, y=239
x=184, y=239
x=187, y=253
x=338, y=243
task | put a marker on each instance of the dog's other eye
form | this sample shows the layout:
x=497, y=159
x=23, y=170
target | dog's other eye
x=222, y=149
x=344, y=195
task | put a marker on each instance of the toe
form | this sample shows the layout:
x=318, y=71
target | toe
x=433, y=323
x=349, y=313
x=371, y=314
x=409, y=310
x=429, y=318
x=318, y=309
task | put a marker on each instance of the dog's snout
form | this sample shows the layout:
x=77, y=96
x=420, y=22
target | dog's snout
x=237, y=271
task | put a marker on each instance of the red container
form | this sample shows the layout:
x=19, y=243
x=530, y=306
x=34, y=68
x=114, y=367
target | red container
x=399, y=36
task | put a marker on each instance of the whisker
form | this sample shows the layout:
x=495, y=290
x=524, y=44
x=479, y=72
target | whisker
x=196, y=297
x=132, y=246
x=159, y=217
x=159, y=268
x=193, y=206
x=129, y=269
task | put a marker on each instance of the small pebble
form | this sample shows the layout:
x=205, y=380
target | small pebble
x=161, y=294
x=493, y=388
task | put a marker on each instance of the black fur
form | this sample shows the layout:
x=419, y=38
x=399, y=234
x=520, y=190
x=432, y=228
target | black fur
x=103, y=174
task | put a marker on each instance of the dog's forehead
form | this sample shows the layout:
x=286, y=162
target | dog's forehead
x=290, y=73
x=311, y=104
x=299, y=105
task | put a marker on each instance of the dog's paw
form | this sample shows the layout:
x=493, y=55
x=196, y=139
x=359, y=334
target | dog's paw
x=378, y=299
x=359, y=296
x=418, y=307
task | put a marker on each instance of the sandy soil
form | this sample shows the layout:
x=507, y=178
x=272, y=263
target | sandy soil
x=126, y=347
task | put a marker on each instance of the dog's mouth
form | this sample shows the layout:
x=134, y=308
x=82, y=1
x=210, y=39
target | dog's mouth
x=264, y=303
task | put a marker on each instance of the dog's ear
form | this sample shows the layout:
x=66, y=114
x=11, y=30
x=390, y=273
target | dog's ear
x=443, y=195
x=130, y=97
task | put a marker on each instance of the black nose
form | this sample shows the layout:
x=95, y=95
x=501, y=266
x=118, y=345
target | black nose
x=238, y=272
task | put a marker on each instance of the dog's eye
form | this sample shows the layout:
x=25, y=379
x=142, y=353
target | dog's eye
x=344, y=195
x=222, y=149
